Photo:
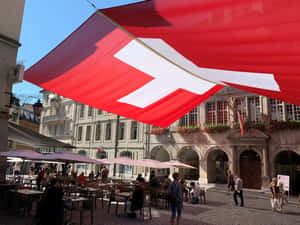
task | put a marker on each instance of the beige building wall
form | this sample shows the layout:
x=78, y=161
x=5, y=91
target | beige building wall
x=11, y=14
x=208, y=151
x=255, y=156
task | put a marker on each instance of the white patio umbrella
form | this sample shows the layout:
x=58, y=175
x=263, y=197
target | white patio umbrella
x=14, y=159
x=126, y=161
x=68, y=157
x=178, y=164
x=23, y=154
x=103, y=161
x=155, y=164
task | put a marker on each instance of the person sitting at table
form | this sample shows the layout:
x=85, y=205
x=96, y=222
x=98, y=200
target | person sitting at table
x=136, y=202
x=140, y=178
x=91, y=176
x=195, y=193
x=184, y=190
x=104, y=174
x=74, y=179
x=166, y=182
x=82, y=179
x=50, y=210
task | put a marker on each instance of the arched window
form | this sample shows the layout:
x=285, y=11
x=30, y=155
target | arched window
x=123, y=169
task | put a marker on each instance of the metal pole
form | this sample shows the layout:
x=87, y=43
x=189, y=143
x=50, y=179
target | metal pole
x=116, y=141
x=147, y=147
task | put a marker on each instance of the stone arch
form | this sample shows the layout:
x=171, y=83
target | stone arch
x=217, y=166
x=251, y=168
x=161, y=154
x=190, y=156
x=287, y=162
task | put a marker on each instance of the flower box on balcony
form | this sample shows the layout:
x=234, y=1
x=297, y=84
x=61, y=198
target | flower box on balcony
x=256, y=125
x=281, y=125
x=187, y=129
x=159, y=130
x=216, y=128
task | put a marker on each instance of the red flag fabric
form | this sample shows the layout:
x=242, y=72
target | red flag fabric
x=171, y=55
x=99, y=150
x=258, y=37
x=89, y=67
x=241, y=122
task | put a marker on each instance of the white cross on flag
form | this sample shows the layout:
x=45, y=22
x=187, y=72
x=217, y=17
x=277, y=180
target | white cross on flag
x=156, y=60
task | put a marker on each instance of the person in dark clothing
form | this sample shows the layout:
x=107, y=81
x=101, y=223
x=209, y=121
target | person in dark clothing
x=175, y=198
x=140, y=178
x=152, y=175
x=238, y=191
x=51, y=210
x=230, y=181
x=39, y=179
x=137, y=200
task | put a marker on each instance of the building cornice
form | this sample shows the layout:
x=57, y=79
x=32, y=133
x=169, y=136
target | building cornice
x=10, y=41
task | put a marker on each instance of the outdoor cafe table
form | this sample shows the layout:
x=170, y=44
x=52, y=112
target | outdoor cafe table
x=25, y=194
x=78, y=200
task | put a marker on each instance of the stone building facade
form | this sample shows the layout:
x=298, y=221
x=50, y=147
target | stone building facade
x=11, y=14
x=92, y=132
x=208, y=138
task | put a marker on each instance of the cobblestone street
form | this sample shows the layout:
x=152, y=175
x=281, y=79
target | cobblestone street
x=219, y=210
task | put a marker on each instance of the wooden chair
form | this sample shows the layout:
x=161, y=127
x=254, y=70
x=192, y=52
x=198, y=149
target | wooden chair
x=116, y=201
x=147, y=205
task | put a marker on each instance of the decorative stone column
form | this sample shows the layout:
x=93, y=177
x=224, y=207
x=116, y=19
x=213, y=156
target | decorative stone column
x=203, y=171
x=266, y=175
x=234, y=168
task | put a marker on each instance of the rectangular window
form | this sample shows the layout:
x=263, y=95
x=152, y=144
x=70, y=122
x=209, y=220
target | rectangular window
x=98, y=132
x=108, y=131
x=88, y=133
x=211, y=113
x=254, y=108
x=292, y=112
x=241, y=106
x=121, y=131
x=133, y=130
x=79, y=134
x=222, y=112
x=191, y=118
x=90, y=111
x=99, y=112
x=276, y=110
x=81, y=113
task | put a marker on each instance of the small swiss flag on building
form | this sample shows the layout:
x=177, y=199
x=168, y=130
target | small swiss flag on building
x=241, y=122
x=99, y=150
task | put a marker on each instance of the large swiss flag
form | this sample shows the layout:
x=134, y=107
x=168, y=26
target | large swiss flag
x=170, y=55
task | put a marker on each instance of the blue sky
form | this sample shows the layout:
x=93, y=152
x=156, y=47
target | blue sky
x=45, y=24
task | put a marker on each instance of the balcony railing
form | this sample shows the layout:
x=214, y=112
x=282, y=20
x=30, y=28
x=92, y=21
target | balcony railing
x=54, y=118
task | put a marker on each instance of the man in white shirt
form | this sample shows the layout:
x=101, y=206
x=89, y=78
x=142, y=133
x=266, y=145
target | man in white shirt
x=238, y=191
x=195, y=193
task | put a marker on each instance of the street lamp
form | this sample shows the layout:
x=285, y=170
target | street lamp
x=37, y=109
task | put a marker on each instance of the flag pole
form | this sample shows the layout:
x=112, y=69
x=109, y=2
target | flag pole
x=116, y=142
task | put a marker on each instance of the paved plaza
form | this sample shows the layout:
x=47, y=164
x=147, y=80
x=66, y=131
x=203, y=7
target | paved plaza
x=219, y=210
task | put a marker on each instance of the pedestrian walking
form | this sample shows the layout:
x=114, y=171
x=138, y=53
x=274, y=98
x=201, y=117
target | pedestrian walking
x=275, y=195
x=238, y=191
x=175, y=197
x=282, y=196
x=230, y=181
